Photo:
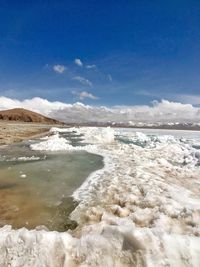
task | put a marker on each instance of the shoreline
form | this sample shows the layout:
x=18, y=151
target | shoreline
x=14, y=132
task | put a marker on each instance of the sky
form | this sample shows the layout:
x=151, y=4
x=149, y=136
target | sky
x=108, y=53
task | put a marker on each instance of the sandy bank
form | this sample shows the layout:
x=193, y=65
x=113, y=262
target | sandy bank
x=11, y=132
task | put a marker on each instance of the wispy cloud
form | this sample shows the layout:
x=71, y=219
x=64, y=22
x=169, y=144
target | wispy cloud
x=82, y=80
x=90, y=66
x=145, y=93
x=83, y=95
x=59, y=68
x=78, y=62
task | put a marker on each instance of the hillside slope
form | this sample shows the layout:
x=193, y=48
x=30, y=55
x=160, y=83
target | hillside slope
x=24, y=115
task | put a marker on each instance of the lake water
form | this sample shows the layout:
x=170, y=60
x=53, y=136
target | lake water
x=36, y=187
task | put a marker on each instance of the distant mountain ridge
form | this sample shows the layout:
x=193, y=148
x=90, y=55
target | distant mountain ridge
x=24, y=115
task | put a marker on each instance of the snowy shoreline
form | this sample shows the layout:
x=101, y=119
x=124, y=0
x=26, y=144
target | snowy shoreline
x=141, y=209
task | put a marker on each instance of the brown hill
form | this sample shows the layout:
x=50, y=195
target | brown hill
x=24, y=115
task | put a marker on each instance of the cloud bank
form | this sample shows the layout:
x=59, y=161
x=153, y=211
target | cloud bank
x=164, y=111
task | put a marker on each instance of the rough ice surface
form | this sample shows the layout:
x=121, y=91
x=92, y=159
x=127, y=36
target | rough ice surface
x=141, y=209
x=52, y=143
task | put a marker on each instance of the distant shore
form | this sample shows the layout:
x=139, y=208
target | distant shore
x=180, y=127
x=16, y=131
x=11, y=132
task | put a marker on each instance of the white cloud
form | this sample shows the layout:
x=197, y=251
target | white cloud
x=90, y=66
x=36, y=104
x=164, y=111
x=59, y=68
x=82, y=80
x=183, y=98
x=78, y=62
x=193, y=99
x=82, y=95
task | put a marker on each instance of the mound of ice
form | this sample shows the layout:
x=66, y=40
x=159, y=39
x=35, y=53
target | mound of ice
x=52, y=143
x=103, y=244
x=104, y=135
x=59, y=130
x=97, y=135
x=144, y=140
x=165, y=139
x=34, y=248
x=57, y=143
x=141, y=137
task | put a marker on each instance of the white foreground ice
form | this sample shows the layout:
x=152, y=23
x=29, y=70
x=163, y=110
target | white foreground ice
x=142, y=209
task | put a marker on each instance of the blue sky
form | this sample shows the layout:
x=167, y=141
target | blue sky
x=100, y=52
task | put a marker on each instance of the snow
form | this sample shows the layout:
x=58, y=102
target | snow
x=141, y=209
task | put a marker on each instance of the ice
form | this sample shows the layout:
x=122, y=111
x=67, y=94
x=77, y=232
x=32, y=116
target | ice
x=32, y=158
x=34, y=248
x=105, y=135
x=141, y=137
x=165, y=139
x=152, y=186
x=141, y=209
x=28, y=158
x=23, y=175
x=53, y=143
x=92, y=134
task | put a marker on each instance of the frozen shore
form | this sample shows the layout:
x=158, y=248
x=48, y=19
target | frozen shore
x=142, y=209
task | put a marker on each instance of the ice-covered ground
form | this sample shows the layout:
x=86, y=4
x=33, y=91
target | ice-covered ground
x=142, y=209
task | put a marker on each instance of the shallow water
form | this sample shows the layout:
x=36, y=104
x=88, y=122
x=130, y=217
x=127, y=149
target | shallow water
x=35, y=187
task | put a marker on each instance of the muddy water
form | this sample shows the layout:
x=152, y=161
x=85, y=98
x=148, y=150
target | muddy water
x=35, y=188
